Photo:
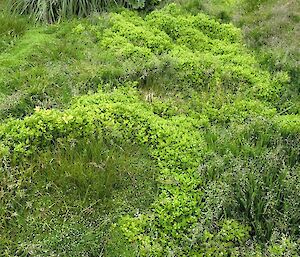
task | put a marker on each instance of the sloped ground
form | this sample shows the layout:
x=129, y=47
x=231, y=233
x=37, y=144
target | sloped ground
x=225, y=155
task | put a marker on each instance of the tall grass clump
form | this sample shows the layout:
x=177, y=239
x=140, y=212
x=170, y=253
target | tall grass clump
x=54, y=10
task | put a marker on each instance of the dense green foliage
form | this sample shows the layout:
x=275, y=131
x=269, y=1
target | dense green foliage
x=270, y=29
x=121, y=50
x=174, y=92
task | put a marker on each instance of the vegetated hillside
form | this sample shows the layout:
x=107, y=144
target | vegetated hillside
x=270, y=28
x=170, y=109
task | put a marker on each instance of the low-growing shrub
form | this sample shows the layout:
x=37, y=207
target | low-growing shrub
x=184, y=214
x=168, y=50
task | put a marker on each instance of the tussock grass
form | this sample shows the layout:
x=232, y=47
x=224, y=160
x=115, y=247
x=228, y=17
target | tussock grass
x=54, y=10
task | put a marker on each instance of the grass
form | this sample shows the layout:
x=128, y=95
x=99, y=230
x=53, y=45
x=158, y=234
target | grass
x=221, y=123
x=75, y=57
x=260, y=169
x=271, y=29
x=67, y=199
x=12, y=27
x=35, y=67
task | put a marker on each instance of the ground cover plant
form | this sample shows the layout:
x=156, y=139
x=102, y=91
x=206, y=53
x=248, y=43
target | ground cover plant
x=133, y=134
x=270, y=29
x=109, y=52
